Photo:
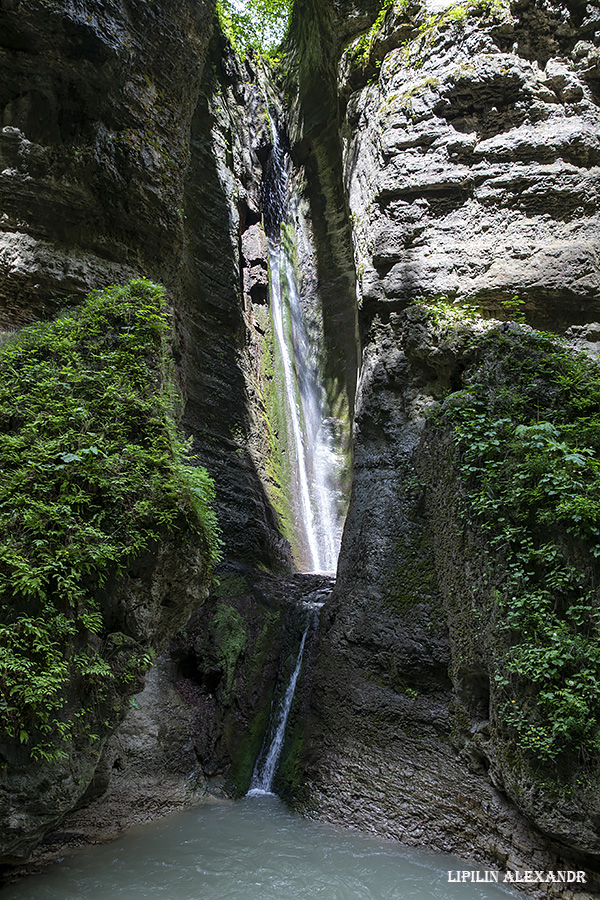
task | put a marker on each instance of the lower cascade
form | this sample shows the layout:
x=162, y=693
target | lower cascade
x=268, y=759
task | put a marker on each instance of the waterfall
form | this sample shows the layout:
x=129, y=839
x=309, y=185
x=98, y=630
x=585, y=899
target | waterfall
x=266, y=764
x=317, y=463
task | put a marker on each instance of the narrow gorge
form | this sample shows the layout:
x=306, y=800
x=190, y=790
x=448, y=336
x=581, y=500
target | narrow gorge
x=314, y=329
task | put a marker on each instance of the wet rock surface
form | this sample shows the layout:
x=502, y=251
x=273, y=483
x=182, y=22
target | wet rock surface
x=233, y=660
x=114, y=165
x=221, y=299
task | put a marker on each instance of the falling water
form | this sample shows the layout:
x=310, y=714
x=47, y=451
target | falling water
x=266, y=764
x=316, y=460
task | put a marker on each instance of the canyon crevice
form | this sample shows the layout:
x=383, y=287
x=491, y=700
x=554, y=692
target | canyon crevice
x=441, y=154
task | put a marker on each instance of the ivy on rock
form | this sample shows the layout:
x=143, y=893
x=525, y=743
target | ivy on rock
x=95, y=474
x=527, y=428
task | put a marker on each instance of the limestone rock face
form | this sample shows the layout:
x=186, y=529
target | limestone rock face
x=392, y=749
x=472, y=162
x=471, y=170
x=222, y=288
x=381, y=693
x=122, y=154
x=147, y=769
x=93, y=144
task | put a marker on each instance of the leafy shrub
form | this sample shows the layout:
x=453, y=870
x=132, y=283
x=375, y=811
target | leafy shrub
x=94, y=473
x=260, y=25
x=528, y=430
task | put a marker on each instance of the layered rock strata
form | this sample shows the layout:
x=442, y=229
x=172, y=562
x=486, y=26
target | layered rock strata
x=470, y=168
x=472, y=159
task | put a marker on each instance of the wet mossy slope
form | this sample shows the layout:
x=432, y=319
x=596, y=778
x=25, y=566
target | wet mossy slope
x=108, y=538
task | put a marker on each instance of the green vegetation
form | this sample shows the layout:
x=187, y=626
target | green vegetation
x=244, y=647
x=514, y=309
x=245, y=750
x=428, y=26
x=279, y=471
x=416, y=30
x=414, y=577
x=95, y=474
x=527, y=428
x=232, y=586
x=443, y=311
x=230, y=637
x=257, y=25
x=360, y=53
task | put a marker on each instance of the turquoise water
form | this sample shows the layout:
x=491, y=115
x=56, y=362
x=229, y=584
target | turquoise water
x=254, y=849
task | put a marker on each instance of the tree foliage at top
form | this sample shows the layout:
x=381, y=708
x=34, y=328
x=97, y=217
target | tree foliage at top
x=257, y=25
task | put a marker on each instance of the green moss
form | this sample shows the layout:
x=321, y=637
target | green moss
x=290, y=772
x=262, y=646
x=95, y=473
x=245, y=747
x=280, y=474
x=230, y=637
x=414, y=578
x=232, y=586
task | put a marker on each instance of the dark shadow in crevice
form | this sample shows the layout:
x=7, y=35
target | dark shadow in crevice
x=319, y=150
x=217, y=413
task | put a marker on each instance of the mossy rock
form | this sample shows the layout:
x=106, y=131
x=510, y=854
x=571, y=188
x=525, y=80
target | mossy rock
x=96, y=480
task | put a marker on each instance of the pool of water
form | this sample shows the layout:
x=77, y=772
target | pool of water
x=255, y=849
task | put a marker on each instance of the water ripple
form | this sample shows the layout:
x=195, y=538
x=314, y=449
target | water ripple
x=251, y=850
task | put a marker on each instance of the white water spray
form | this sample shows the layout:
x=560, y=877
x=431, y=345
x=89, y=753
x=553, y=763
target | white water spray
x=317, y=463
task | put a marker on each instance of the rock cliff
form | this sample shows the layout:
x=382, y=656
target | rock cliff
x=449, y=151
x=469, y=163
x=406, y=727
x=107, y=542
x=115, y=164
x=471, y=160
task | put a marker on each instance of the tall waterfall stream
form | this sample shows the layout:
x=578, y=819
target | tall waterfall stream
x=316, y=460
x=319, y=523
